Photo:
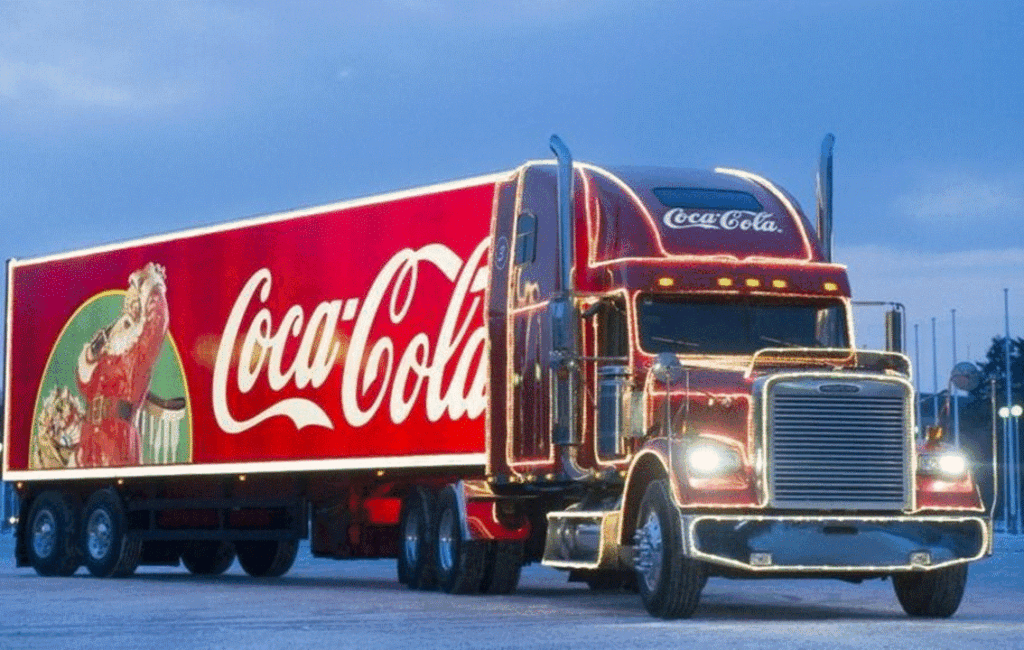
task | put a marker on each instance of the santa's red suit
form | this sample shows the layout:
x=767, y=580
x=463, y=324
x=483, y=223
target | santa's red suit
x=114, y=373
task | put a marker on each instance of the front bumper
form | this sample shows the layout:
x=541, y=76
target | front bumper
x=819, y=544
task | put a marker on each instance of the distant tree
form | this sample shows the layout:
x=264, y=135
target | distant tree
x=994, y=367
x=976, y=412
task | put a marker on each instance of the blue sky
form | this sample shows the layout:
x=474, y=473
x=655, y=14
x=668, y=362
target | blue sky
x=122, y=119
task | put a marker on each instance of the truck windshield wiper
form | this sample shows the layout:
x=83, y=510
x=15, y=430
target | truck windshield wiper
x=786, y=344
x=685, y=344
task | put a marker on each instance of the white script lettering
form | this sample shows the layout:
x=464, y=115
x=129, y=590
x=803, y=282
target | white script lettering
x=452, y=369
x=679, y=219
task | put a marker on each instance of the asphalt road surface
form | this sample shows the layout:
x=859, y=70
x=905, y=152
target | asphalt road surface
x=359, y=604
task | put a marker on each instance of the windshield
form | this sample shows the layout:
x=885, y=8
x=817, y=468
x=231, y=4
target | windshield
x=701, y=325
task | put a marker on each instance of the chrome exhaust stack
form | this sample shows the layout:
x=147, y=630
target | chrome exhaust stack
x=565, y=322
x=824, y=195
x=566, y=211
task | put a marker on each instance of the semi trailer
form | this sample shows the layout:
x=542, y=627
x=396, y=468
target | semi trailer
x=642, y=376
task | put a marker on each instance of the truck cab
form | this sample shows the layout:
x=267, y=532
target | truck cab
x=679, y=369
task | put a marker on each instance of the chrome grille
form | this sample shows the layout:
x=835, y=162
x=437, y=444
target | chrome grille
x=838, y=444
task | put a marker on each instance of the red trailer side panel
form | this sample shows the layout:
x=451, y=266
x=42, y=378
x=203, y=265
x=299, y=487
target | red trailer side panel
x=348, y=336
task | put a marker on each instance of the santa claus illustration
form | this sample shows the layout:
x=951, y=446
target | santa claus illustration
x=115, y=369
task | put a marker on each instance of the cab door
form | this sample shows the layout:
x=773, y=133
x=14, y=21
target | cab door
x=531, y=284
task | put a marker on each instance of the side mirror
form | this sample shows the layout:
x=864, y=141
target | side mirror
x=667, y=368
x=894, y=329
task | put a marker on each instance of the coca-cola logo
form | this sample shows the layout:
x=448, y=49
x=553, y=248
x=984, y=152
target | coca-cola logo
x=447, y=371
x=743, y=220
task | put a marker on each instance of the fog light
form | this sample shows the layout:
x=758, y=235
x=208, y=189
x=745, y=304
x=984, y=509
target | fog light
x=921, y=558
x=760, y=559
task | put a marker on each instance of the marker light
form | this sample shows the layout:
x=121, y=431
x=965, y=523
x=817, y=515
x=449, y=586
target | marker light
x=753, y=282
x=666, y=282
x=946, y=464
x=708, y=459
x=779, y=284
x=725, y=282
x=831, y=286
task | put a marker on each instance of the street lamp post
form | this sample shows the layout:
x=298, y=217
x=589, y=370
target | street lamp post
x=1011, y=504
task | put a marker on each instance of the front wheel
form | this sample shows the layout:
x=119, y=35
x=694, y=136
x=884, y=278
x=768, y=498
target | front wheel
x=52, y=528
x=933, y=594
x=107, y=548
x=670, y=583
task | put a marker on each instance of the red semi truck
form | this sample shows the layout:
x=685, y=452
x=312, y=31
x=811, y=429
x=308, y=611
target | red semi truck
x=642, y=376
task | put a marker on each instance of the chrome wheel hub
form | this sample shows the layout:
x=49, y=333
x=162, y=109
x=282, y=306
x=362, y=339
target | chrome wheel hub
x=99, y=534
x=649, y=551
x=44, y=534
x=411, y=540
x=446, y=540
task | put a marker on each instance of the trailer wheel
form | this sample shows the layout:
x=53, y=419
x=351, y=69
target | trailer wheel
x=207, y=557
x=267, y=559
x=415, y=551
x=51, y=531
x=459, y=562
x=503, y=566
x=934, y=594
x=107, y=548
x=670, y=583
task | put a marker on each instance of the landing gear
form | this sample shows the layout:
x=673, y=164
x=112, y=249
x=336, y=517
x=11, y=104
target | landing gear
x=52, y=535
x=933, y=594
x=108, y=550
x=670, y=583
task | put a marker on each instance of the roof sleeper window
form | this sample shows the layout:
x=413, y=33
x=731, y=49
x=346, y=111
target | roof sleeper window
x=702, y=198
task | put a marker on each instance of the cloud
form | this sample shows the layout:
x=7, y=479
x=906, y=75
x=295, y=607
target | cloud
x=60, y=59
x=957, y=197
x=931, y=285
x=63, y=83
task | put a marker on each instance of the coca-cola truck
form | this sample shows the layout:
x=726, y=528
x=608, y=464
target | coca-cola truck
x=643, y=376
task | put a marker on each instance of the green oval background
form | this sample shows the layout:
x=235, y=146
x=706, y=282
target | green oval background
x=168, y=376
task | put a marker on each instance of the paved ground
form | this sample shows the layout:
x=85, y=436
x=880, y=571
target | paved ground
x=325, y=604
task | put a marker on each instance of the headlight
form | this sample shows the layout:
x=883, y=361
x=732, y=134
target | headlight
x=947, y=464
x=707, y=459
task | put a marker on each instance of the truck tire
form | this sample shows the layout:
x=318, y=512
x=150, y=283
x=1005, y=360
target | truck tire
x=670, y=583
x=267, y=559
x=502, y=567
x=207, y=557
x=934, y=594
x=108, y=550
x=415, y=551
x=606, y=580
x=458, y=562
x=52, y=535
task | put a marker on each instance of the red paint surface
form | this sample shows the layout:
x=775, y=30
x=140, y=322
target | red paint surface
x=323, y=257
